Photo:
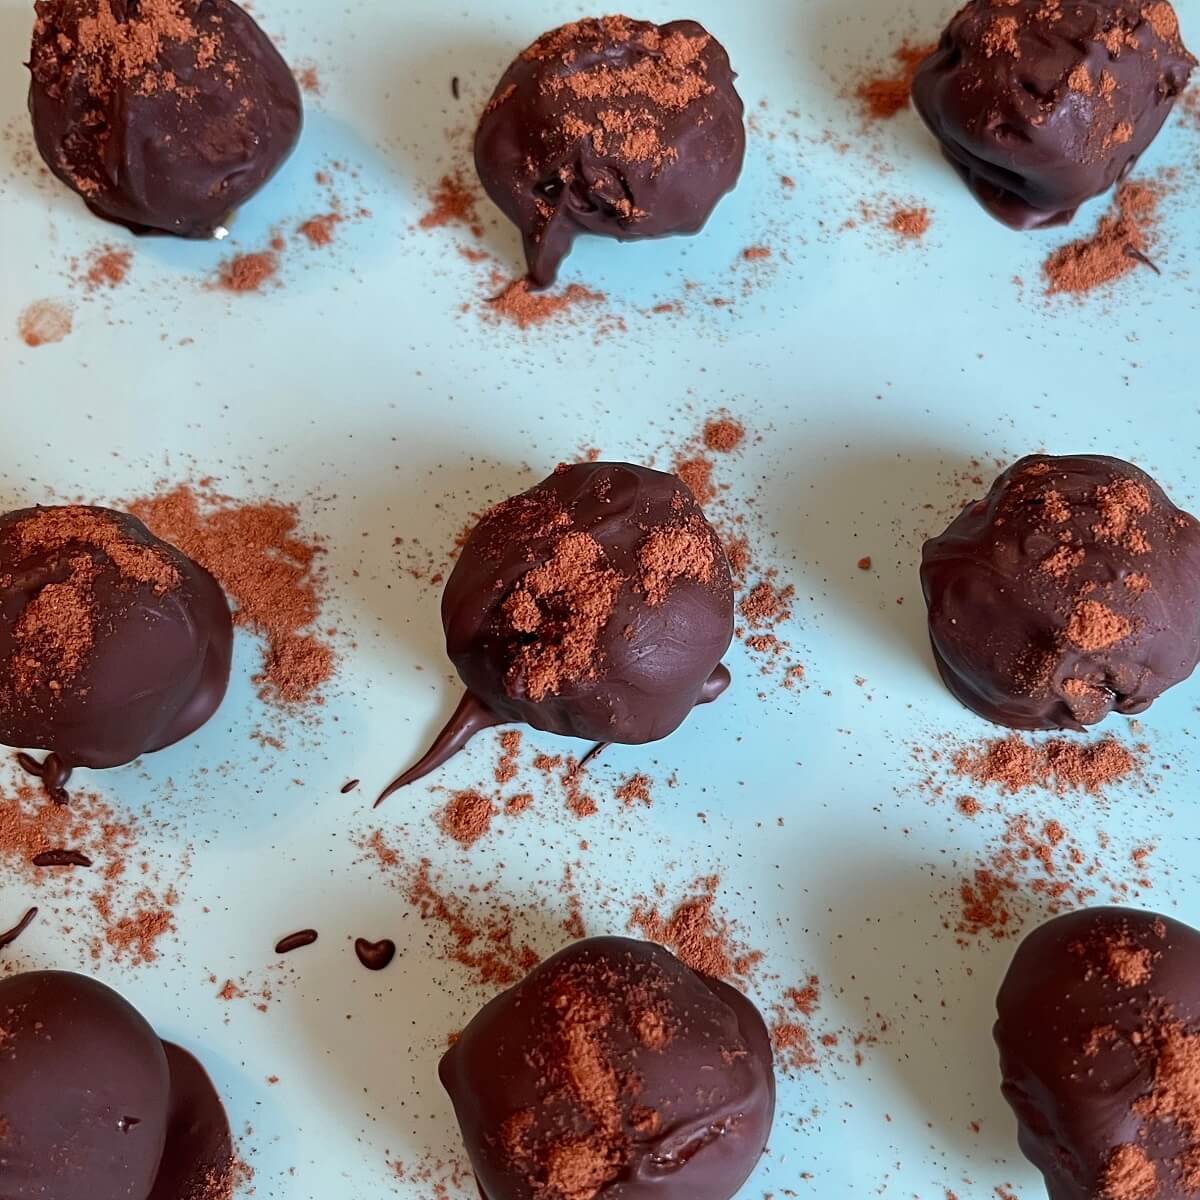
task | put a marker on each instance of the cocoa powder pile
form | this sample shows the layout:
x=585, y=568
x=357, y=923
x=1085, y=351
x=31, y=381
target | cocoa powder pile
x=266, y=567
x=1123, y=241
x=884, y=94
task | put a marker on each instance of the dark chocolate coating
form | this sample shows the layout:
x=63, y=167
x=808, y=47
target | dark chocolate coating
x=611, y=126
x=159, y=662
x=651, y=662
x=84, y=1089
x=615, y=1062
x=174, y=144
x=1079, y=1047
x=93, y=1106
x=1041, y=105
x=1071, y=591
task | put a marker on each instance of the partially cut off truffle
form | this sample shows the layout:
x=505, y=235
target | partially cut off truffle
x=112, y=642
x=1099, y=1038
x=611, y=126
x=1042, y=104
x=615, y=1071
x=1071, y=591
x=95, y=1107
x=164, y=115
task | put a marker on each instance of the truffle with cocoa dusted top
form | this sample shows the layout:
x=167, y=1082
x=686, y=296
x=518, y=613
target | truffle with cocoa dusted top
x=596, y=605
x=1099, y=1037
x=1071, y=591
x=611, y=126
x=613, y=1070
x=1041, y=104
x=112, y=642
x=93, y=1106
x=164, y=115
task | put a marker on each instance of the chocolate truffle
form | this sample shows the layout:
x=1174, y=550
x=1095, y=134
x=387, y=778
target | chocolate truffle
x=162, y=114
x=93, y=1105
x=613, y=1070
x=1041, y=104
x=611, y=126
x=596, y=605
x=112, y=643
x=1099, y=1037
x=1070, y=591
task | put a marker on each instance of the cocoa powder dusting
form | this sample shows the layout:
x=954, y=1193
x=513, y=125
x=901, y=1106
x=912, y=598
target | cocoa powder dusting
x=885, y=94
x=1123, y=240
x=526, y=309
x=248, y=272
x=43, y=323
x=266, y=568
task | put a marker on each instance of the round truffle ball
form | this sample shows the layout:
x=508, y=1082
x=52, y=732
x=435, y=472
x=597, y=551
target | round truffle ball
x=84, y=1090
x=1070, y=591
x=162, y=114
x=1099, y=1034
x=1040, y=106
x=596, y=605
x=611, y=126
x=93, y=1105
x=613, y=1070
x=112, y=642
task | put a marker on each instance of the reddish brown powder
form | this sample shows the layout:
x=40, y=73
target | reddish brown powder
x=320, y=231
x=124, y=914
x=43, y=323
x=673, y=552
x=266, y=568
x=723, y=434
x=696, y=935
x=309, y=79
x=1128, y=1175
x=1122, y=241
x=107, y=267
x=1093, y=626
x=479, y=932
x=885, y=94
x=1058, y=764
x=467, y=817
x=696, y=472
x=635, y=790
x=248, y=272
x=526, y=309
x=453, y=202
x=911, y=223
x=582, y=590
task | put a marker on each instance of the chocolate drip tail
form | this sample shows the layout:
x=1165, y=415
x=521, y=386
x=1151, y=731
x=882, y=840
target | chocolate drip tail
x=471, y=716
x=52, y=771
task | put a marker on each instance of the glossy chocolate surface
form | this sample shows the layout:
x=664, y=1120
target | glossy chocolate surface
x=1070, y=591
x=1040, y=106
x=113, y=643
x=611, y=126
x=166, y=117
x=613, y=1071
x=1098, y=1035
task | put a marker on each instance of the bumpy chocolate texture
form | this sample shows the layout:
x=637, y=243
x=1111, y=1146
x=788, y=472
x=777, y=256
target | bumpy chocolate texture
x=1070, y=591
x=93, y=1105
x=613, y=1071
x=1041, y=104
x=112, y=643
x=611, y=126
x=596, y=605
x=161, y=114
x=1099, y=1037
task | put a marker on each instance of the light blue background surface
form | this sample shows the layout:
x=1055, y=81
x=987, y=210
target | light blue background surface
x=871, y=373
